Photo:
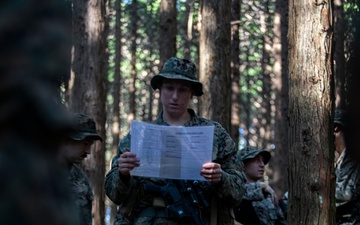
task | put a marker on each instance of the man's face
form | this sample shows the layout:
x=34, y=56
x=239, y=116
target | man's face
x=254, y=168
x=76, y=151
x=175, y=96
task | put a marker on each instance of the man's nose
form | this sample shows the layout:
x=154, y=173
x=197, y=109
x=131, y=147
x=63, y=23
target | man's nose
x=175, y=94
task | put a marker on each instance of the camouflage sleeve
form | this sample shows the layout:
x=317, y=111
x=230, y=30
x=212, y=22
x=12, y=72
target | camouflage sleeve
x=232, y=186
x=83, y=194
x=347, y=180
x=253, y=192
x=115, y=188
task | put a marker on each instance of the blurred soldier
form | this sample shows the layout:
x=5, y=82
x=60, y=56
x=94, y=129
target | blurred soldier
x=260, y=205
x=35, y=58
x=347, y=170
x=74, y=149
x=225, y=180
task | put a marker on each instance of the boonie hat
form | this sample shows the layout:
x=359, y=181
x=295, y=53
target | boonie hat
x=251, y=152
x=340, y=117
x=83, y=127
x=180, y=69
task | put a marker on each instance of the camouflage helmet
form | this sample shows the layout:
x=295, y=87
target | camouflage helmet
x=251, y=152
x=83, y=127
x=340, y=117
x=180, y=69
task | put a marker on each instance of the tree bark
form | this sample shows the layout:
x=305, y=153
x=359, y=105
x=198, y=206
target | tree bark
x=311, y=102
x=339, y=57
x=87, y=92
x=235, y=72
x=167, y=33
x=133, y=71
x=214, y=66
x=279, y=163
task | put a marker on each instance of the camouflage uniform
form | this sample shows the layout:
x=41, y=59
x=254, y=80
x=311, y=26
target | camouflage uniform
x=132, y=200
x=83, y=128
x=82, y=193
x=265, y=210
x=347, y=193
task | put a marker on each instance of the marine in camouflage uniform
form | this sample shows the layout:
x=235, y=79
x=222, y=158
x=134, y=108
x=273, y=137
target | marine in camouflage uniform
x=74, y=149
x=260, y=201
x=138, y=207
x=347, y=170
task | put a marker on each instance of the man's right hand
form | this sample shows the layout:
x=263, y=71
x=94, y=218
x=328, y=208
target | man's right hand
x=126, y=162
x=267, y=189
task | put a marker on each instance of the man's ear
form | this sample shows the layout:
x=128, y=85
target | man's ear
x=336, y=129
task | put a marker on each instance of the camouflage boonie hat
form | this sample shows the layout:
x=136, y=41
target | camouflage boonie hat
x=84, y=127
x=340, y=117
x=180, y=69
x=251, y=152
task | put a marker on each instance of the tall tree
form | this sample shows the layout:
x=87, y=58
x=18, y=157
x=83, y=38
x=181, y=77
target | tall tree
x=133, y=71
x=188, y=28
x=279, y=165
x=266, y=104
x=339, y=57
x=311, y=102
x=235, y=71
x=214, y=66
x=168, y=30
x=87, y=92
x=116, y=93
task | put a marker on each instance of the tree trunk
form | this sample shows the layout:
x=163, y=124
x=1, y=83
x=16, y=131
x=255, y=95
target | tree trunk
x=188, y=27
x=133, y=71
x=279, y=163
x=311, y=102
x=214, y=66
x=339, y=58
x=266, y=123
x=235, y=71
x=87, y=92
x=167, y=32
x=116, y=93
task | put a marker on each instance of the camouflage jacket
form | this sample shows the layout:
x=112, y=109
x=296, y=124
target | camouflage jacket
x=347, y=193
x=267, y=212
x=130, y=196
x=82, y=193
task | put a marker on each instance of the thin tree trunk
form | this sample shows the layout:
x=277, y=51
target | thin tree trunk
x=266, y=121
x=235, y=72
x=167, y=33
x=214, y=66
x=189, y=28
x=339, y=58
x=133, y=71
x=279, y=164
x=116, y=93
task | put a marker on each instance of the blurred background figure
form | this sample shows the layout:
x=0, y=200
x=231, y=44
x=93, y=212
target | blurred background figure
x=347, y=170
x=73, y=150
x=260, y=204
x=35, y=58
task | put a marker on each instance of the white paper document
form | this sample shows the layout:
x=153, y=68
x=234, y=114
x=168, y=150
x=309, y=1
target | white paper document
x=173, y=152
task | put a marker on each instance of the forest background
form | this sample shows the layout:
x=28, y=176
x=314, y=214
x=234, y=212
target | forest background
x=273, y=72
